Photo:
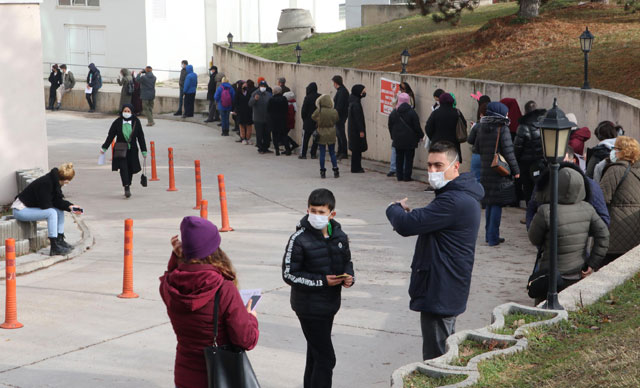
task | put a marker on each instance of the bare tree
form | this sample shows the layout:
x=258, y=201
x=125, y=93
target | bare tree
x=529, y=9
x=444, y=10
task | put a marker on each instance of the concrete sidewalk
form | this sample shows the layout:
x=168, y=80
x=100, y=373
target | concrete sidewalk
x=77, y=333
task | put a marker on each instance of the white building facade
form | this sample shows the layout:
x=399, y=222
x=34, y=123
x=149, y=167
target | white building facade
x=353, y=10
x=134, y=33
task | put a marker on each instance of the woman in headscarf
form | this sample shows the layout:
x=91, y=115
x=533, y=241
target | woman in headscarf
x=441, y=125
x=357, y=131
x=126, y=129
x=499, y=190
x=125, y=96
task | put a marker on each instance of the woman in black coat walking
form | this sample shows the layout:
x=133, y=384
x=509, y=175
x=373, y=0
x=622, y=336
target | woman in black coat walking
x=243, y=113
x=404, y=127
x=443, y=121
x=308, y=125
x=357, y=131
x=127, y=129
x=499, y=190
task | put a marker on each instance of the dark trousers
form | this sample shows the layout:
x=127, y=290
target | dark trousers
x=125, y=175
x=92, y=98
x=493, y=216
x=52, y=97
x=189, y=104
x=280, y=138
x=321, y=358
x=342, y=139
x=435, y=331
x=180, y=101
x=404, y=163
x=213, y=110
x=308, y=134
x=263, y=137
x=356, y=161
x=526, y=180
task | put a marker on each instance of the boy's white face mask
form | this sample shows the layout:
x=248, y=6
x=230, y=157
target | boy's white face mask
x=318, y=222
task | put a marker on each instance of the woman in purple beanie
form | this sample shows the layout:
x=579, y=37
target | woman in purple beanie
x=197, y=270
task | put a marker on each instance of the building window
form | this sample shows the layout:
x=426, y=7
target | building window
x=342, y=11
x=79, y=3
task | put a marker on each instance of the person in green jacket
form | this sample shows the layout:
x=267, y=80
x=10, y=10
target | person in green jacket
x=326, y=117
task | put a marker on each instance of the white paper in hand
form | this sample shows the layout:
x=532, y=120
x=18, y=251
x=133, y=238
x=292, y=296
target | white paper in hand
x=254, y=295
x=88, y=90
x=101, y=159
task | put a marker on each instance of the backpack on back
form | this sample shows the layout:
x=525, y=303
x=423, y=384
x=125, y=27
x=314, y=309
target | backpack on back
x=225, y=98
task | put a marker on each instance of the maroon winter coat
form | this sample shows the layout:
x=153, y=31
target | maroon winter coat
x=514, y=113
x=188, y=290
x=578, y=138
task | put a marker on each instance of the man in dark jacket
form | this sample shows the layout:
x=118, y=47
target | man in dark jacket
x=447, y=230
x=212, y=86
x=183, y=75
x=94, y=83
x=341, y=104
x=282, y=83
x=527, y=146
x=259, y=102
x=278, y=108
x=316, y=263
x=442, y=123
x=357, y=128
x=147, y=93
x=308, y=125
x=404, y=127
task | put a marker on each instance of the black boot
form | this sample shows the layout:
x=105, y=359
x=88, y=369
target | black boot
x=323, y=173
x=127, y=192
x=57, y=249
x=336, y=172
x=63, y=243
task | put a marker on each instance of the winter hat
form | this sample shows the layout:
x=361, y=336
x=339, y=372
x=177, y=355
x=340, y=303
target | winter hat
x=282, y=80
x=260, y=80
x=571, y=117
x=497, y=109
x=290, y=95
x=200, y=238
x=262, y=83
x=446, y=98
x=277, y=90
x=403, y=98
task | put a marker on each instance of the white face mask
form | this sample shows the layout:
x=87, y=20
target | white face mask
x=126, y=115
x=263, y=89
x=436, y=179
x=613, y=156
x=318, y=222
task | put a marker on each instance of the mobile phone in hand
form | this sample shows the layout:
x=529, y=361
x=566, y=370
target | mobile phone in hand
x=343, y=276
x=77, y=209
x=254, y=301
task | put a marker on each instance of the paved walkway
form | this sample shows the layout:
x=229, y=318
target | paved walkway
x=79, y=334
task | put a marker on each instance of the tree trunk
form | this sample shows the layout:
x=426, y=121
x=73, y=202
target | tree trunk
x=529, y=9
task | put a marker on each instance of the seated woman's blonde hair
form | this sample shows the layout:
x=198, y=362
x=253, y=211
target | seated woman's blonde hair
x=628, y=149
x=66, y=172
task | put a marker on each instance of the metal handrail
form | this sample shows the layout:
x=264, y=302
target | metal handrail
x=109, y=67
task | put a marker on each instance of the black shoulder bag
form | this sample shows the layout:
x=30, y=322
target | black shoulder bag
x=120, y=149
x=228, y=365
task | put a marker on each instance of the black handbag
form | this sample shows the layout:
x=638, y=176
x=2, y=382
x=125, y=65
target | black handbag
x=538, y=283
x=120, y=149
x=143, y=178
x=227, y=365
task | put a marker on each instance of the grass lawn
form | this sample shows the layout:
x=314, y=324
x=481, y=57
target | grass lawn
x=491, y=43
x=468, y=349
x=513, y=321
x=419, y=380
x=599, y=346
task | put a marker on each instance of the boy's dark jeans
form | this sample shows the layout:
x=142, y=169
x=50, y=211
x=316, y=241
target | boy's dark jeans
x=321, y=358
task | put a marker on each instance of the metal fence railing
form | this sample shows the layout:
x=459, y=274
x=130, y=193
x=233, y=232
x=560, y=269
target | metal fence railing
x=109, y=73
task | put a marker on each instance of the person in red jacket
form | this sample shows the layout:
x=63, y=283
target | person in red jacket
x=197, y=269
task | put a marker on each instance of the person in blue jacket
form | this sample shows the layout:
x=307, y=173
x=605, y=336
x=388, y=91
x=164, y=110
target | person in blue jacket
x=224, y=99
x=447, y=231
x=190, y=85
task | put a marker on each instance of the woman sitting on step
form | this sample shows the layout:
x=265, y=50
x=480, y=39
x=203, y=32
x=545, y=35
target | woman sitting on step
x=43, y=200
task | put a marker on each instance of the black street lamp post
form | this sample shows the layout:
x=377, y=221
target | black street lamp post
x=555, y=128
x=404, y=57
x=586, y=41
x=298, y=51
x=230, y=39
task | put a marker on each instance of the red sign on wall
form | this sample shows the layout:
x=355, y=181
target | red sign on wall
x=388, y=90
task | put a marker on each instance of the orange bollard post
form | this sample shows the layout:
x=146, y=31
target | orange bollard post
x=127, y=279
x=223, y=205
x=204, y=209
x=172, y=177
x=198, y=185
x=113, y=144
x=154, y=172
x=11, y=306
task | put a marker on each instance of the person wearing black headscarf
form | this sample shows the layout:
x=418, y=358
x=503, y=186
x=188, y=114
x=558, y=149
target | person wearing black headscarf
x=357, y=127
x=308, y=125
x=127, y=129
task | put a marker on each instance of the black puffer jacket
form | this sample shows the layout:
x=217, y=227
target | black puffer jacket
x=309, y=106
x=404, y=128
x=341, y=103
x=498, y=190
x=45, y=192
x=527, y=144
x=308, y=259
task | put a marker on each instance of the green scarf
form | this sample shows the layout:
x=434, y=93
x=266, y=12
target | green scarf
x=126, y=131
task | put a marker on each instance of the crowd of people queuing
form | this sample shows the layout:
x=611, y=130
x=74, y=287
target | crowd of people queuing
x=598, y=193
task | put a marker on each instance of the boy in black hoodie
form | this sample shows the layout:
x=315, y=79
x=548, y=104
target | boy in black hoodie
x=316, y=263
